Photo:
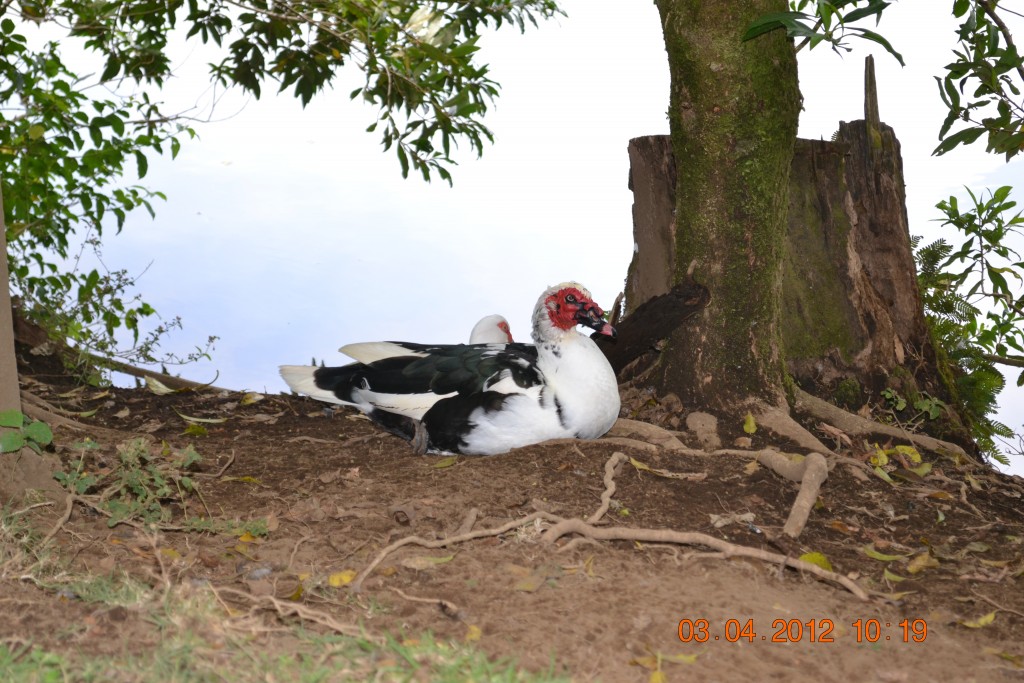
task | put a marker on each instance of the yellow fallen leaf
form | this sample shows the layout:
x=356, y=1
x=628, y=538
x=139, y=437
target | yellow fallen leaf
x=998, y=564
x=980, y=621
x=921, y=562
x=818, y=559
x=171, y=553
x=646, y=661
x=445, y=462
x=246, y=538
x=195, y=430
x=297, y=594
x=883, y=475
x=204, y=420
x=657, y=676
x=870, y=551
x=530, y=584
x=473, y=633
x=910, y=452
x=896, y=597
x=157, y=387
x=922, y=470
x=1016, y=660
x=890, y=576
x=339, y=579
x=249, y=398
x=749, y=424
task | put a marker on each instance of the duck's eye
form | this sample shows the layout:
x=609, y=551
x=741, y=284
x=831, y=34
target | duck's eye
x=570, y=298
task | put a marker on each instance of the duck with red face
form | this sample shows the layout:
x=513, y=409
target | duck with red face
x=482, y=399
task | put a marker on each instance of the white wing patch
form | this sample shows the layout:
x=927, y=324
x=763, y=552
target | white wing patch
x=370, y=352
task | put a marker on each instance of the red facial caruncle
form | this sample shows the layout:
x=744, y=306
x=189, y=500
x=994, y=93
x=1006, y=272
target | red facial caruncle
x=565, y=305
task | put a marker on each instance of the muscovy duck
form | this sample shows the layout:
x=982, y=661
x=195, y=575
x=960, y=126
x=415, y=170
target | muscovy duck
x=492, y=329
x=482, y=399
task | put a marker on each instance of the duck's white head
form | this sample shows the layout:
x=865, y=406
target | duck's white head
x=562, y=307
x=492, y=329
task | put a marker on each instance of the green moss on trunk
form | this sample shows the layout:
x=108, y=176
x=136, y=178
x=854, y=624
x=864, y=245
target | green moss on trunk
x=733, y=117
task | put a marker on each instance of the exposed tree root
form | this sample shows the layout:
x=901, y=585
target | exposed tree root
x=39, y=409
x=650, y=433
x=855, y=425
x=631, y=443
x=810, y=471
x=578, y=526
x=587, y=530
x=611, y=468
x=781, y=423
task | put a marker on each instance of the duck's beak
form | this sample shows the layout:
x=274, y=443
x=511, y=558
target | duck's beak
x=590, y=315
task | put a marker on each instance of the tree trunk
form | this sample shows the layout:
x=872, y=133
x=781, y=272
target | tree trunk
x=25, y=469
x=733, y=119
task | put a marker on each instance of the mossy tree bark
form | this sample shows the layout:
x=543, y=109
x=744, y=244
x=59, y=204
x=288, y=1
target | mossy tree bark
x=733, y=120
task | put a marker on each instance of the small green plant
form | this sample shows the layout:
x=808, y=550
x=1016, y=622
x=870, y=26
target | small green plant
x=140, y=485
x=145, y=481
x=22, y=432
x=893, y=400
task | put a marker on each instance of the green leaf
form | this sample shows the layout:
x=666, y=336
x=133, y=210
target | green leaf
x=143, y=164
x=11, y=442
x=39, y=432
x=12, y=418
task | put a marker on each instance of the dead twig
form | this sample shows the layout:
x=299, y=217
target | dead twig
x=287, y=608
x=69, y=504
x=447, y=607
x=221, y=471
x=995, y=604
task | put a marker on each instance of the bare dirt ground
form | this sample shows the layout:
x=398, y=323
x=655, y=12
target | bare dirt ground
x=336, y=491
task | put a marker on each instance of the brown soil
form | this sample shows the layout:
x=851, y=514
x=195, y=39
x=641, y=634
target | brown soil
x=338, y=490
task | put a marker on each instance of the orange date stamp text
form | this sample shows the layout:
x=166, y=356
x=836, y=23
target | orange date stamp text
x=798, y=631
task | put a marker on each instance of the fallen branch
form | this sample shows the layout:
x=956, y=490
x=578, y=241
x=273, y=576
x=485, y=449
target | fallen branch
x=578, y=526
x=169, y=381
